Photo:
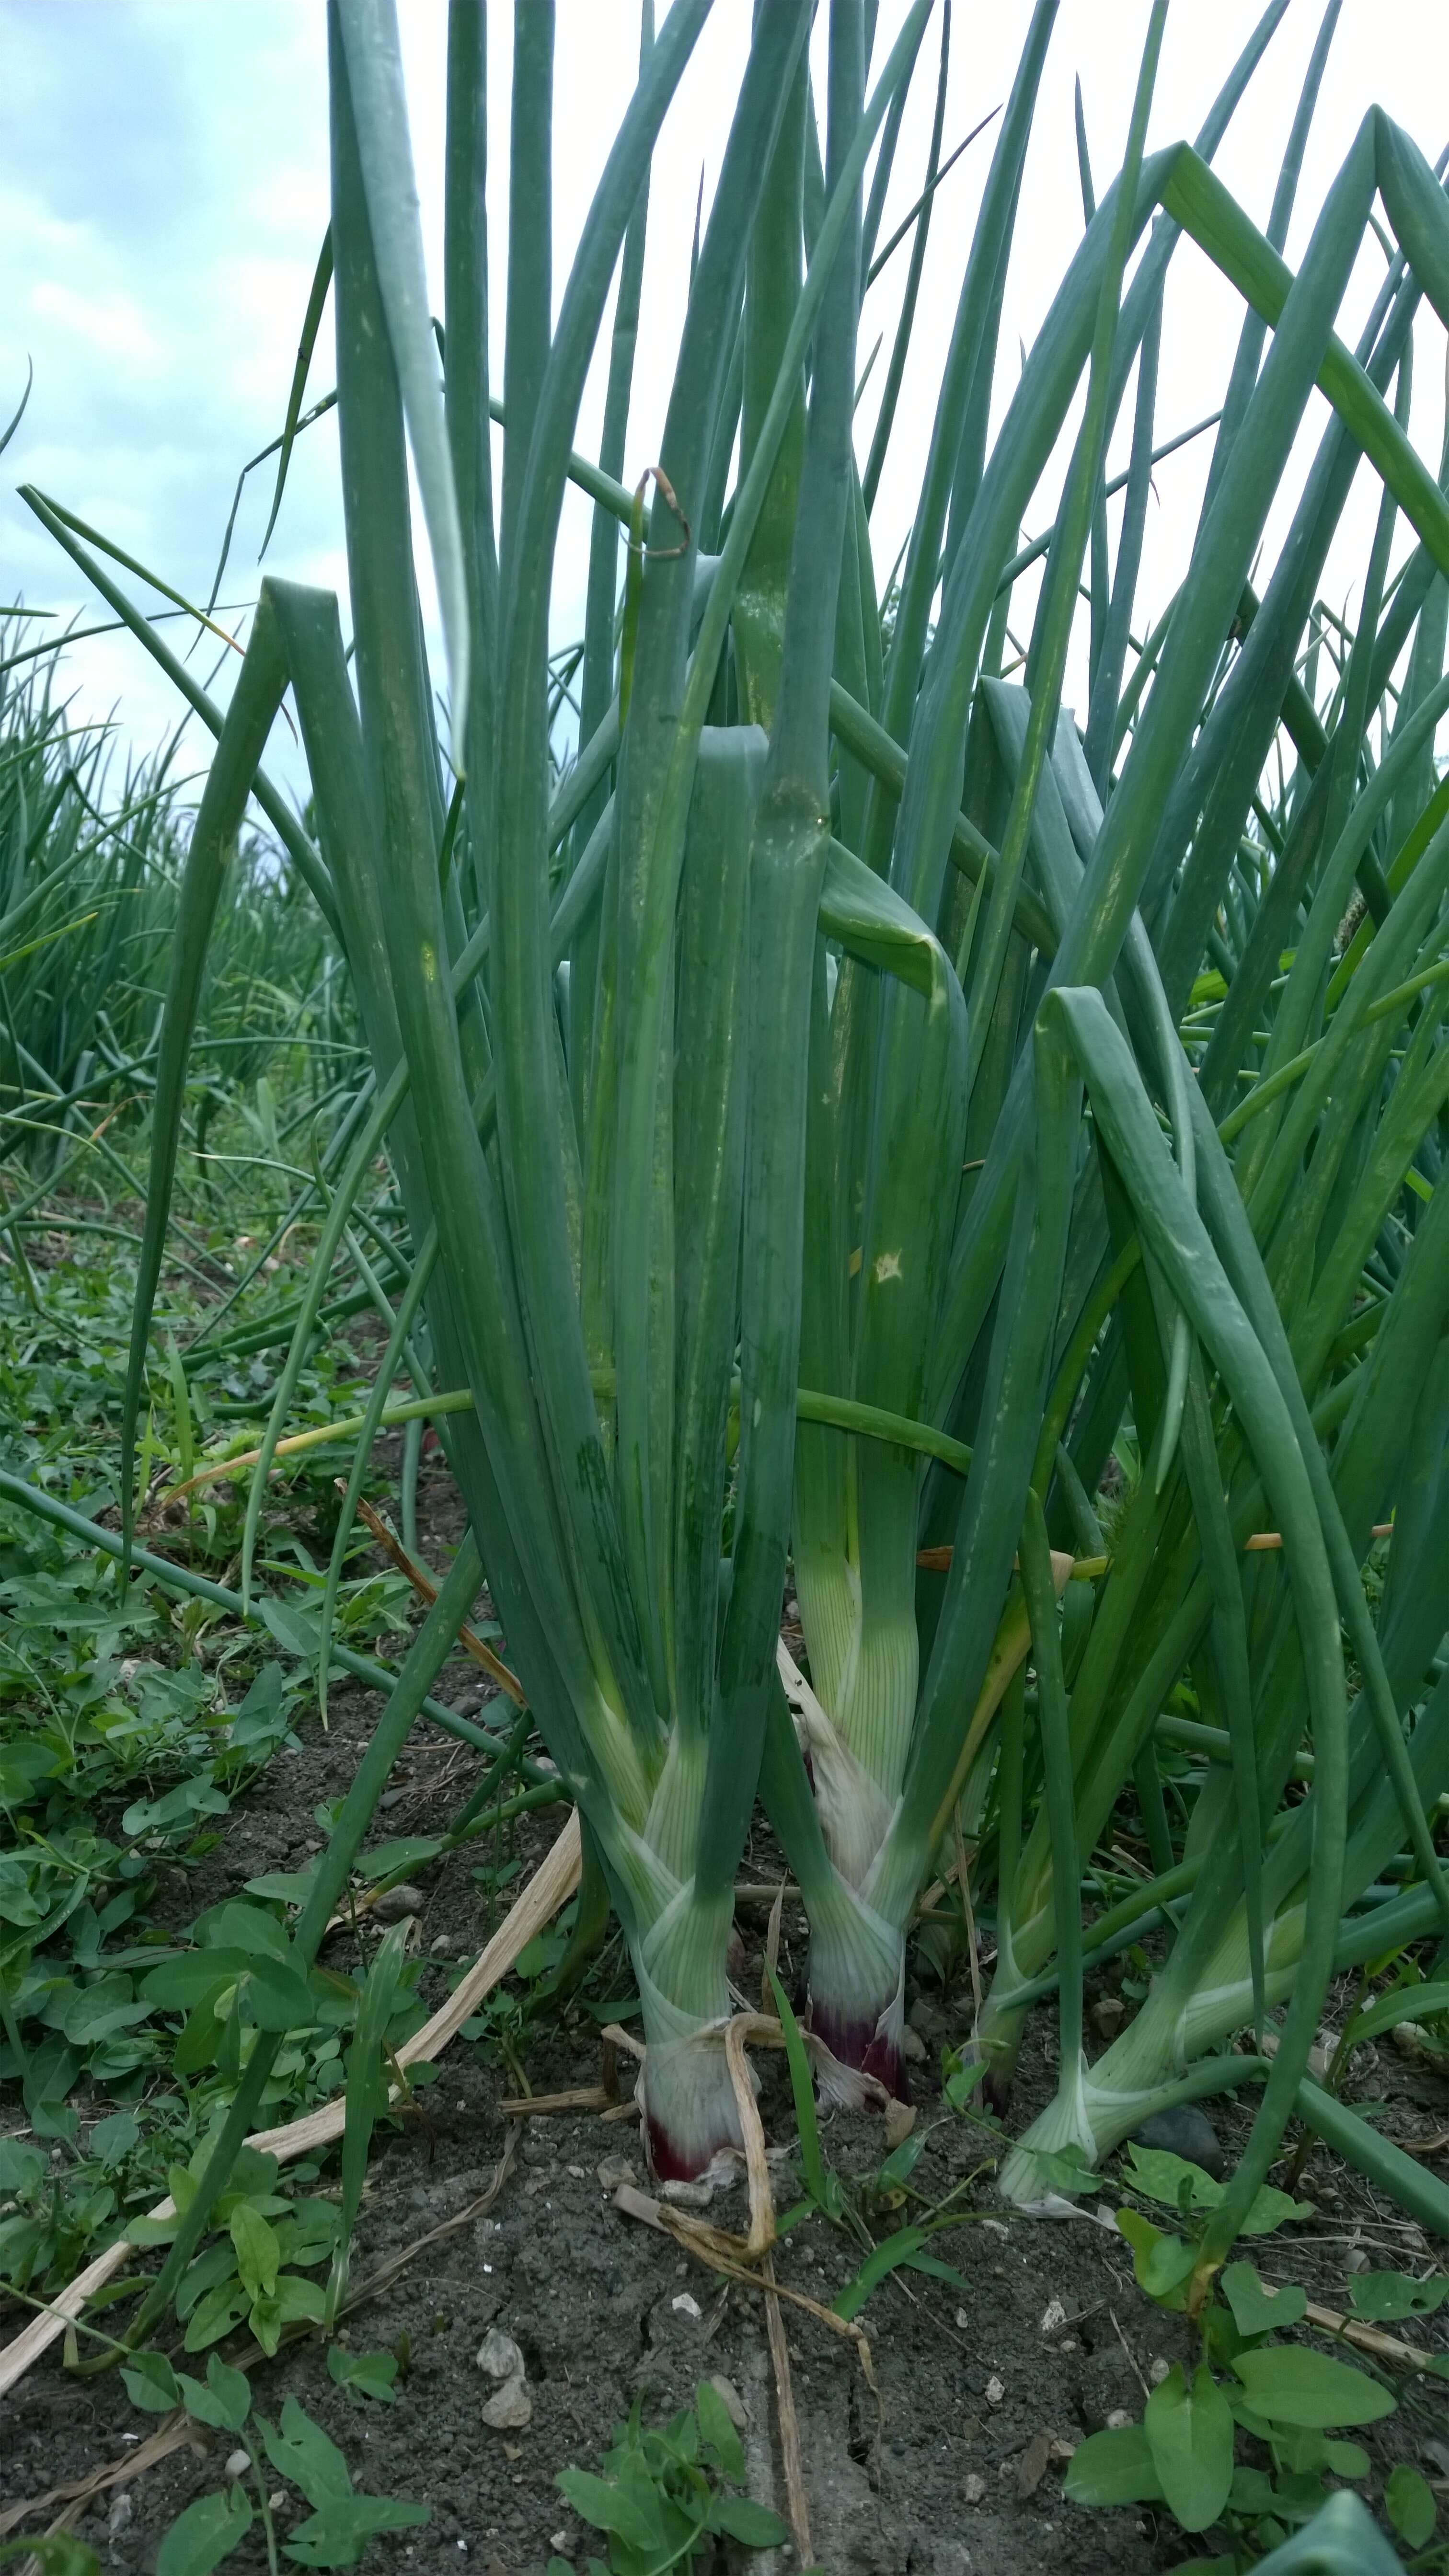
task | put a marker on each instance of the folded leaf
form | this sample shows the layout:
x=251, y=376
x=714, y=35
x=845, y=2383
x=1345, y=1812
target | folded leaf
x=1189, y=2432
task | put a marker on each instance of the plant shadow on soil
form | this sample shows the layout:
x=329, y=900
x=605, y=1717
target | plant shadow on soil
x=944, y=2476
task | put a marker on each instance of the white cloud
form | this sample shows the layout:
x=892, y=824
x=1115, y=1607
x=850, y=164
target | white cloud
x=165, y=190
x=112, y=325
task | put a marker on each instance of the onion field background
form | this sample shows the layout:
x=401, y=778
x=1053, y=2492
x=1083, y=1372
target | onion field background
x=724, y=1375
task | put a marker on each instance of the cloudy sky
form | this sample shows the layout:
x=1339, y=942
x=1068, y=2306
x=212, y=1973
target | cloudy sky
x=163, y=192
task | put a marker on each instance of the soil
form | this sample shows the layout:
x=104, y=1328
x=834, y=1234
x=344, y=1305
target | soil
x=943, y=2475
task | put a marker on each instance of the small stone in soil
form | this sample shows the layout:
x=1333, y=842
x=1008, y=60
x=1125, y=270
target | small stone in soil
x=685, y=2306
x=511, y=2409
x=1032, y=2466
x=688, y=2195
x=900, y=2119
x=1186, y=2132
x=973, y=2488
x=995, y=2390
x=615, y=2172
x=498, y=2355
x=395, y=1902
x=1158, y=2370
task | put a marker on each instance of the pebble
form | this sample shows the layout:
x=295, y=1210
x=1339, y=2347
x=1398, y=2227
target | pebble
x=1031, y=2466
x=1158, y=2370
x=498, y=2355
x=237, y=2464
x=395, y=1902
x=995, y=2390
x=1117, y=2419
x=973, y=2488
x=615, y=2172
x=123, y=2506
x=688, y=2195
x=1186, y=2132
x=900, y=2119
x=511, y=2409
x=1054, y=2317
x=685, y=2306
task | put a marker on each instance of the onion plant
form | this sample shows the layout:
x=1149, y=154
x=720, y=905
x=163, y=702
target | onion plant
x=1073, y=1290
x=1084, y=1280
x=81, y=929
x=1223, y=1294
x=88, y=889
x=861, y=1095
x=589, y=1198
